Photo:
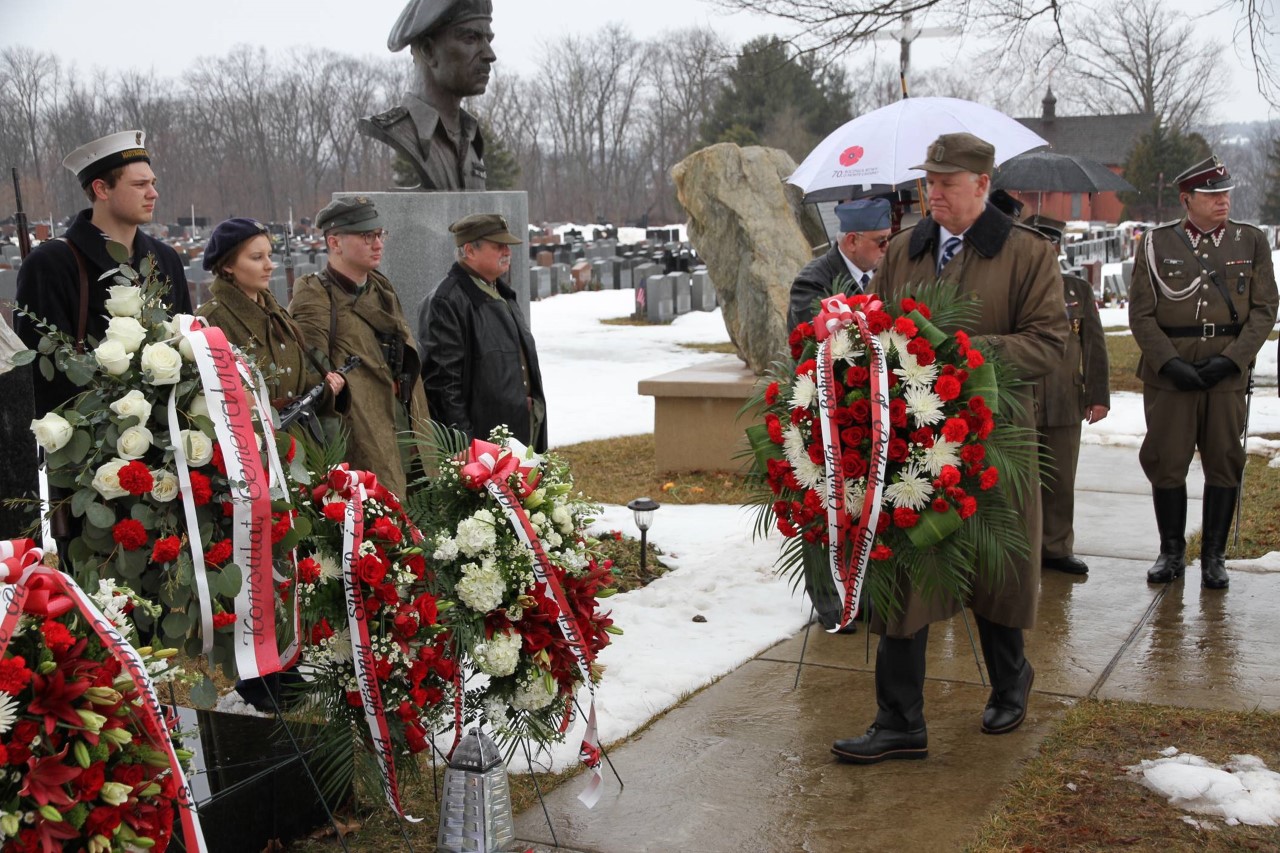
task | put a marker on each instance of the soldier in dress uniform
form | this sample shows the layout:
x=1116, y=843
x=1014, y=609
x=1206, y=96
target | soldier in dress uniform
x=1076, y=390
x=1202, y=302
x=864, y=233
x=451, y=45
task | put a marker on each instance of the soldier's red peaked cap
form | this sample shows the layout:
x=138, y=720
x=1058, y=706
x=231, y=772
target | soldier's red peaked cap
x=1210, y=175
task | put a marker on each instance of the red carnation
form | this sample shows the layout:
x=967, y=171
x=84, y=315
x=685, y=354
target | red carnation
x=282, y=524
x=56, y=636
x=973, y=454
x=940, y=505
x=905, y=326
x=907, y=305
x=335, y=511
x=905, y=516
x=136, y=479
x=990, y=477
x=320, y=632
x=883, y=523
x=219, y=553
x=949, y=476
x=806, y=368
x=129, y=534
x=878, y=321
x=222, y=620
x=955, y=430
x=166, y=549
x=976, y=359
x=219, y=464
x=947, y=388
x=771, y=394
x=308, y=570
x=201, y=489
x=881, y=552
x=968, y=506
x=962, y=341
x=919, y=347
x=14, y=675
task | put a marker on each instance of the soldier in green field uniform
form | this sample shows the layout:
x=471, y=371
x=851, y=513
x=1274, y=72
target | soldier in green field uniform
x=1202, y=302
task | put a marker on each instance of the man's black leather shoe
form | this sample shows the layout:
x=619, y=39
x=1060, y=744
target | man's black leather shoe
x=1004, y=714
x=881, y=744
x=1070, y=564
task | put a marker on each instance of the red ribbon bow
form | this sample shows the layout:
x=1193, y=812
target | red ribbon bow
x=837, y=313
x=486, y=462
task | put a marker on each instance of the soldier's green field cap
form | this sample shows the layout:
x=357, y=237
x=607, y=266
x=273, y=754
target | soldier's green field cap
x=424, y=17
x=1210, y=175
x=354, y=215
x=960, y=152
x=102, y=155
x=482, y=226
x=1046, y=225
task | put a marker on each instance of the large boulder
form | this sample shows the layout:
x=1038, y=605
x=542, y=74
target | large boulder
x=754, y=234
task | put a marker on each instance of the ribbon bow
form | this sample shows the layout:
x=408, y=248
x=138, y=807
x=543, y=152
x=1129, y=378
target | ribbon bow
x=16, y=556
x=837, y=313
x=487, y=462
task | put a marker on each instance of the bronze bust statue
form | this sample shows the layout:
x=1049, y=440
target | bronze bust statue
x=451, y=45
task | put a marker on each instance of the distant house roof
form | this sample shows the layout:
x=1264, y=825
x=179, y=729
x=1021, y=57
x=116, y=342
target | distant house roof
x=1106, y=139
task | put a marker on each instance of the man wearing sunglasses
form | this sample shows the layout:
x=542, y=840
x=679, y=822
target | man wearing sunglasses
x=850, y=263
x=349, y=308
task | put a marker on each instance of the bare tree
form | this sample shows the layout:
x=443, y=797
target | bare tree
x=1144, y=61
x=27, y=74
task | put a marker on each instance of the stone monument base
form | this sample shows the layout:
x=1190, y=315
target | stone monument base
x=420, y=249
x=696, y=426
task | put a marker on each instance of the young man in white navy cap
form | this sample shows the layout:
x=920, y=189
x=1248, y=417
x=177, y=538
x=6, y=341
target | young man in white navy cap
x=452, y=52
x=864, y=233
x=1202, y=302
x=59, y=282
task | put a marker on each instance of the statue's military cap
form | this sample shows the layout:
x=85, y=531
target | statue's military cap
x=424, y=17
x=354, y=215
x=1210, y=175
x=102, y=155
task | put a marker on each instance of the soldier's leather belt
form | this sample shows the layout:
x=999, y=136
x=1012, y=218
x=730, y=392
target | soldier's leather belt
x=1204, y=330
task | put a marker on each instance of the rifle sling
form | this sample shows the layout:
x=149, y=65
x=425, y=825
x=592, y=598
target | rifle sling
x=82, y=322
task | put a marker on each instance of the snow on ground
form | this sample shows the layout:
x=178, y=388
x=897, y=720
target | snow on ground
x=1243, y=790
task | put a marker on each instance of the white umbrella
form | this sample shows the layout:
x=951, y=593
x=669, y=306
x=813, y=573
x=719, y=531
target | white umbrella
x=879, y=148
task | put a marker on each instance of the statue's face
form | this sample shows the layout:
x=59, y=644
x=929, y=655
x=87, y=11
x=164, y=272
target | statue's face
x=459, y=57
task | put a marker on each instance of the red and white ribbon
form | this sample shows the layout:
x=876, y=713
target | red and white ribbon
x=41, y=589
x=489, y=466
x=355, y=487
x=230, y=409
x=848, y=568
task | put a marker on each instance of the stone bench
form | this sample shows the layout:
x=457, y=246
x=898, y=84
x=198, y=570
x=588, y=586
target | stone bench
x=695, y=424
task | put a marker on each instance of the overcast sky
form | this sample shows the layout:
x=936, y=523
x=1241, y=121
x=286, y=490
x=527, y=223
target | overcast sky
x=170, y=36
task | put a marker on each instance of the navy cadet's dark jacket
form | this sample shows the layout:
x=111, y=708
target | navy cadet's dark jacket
x=471, y=369
x=49, y=287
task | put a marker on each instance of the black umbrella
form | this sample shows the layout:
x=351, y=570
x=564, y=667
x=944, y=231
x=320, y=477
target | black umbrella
x=1049, y=172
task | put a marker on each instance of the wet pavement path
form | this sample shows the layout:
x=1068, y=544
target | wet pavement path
x=744, y=765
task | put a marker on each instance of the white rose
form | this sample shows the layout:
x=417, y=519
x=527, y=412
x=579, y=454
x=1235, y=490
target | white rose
x=125, y=300
x=113, y=357
x=184, y=347
x=162, y=364
x=197, y=446
x=52, y=432
x=128, y=331
x=134, y=442
x=107, y=479
x=198, y=406
x=166, y=486
x=131, y=405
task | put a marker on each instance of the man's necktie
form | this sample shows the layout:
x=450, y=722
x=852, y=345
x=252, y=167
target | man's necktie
x=864, y=281
x=948, y=252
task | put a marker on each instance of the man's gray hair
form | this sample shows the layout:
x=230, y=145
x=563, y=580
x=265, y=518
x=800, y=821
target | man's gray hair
x=462, y=250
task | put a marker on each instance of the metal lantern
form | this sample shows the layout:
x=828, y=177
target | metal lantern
x=644, y=508
x=475, y=809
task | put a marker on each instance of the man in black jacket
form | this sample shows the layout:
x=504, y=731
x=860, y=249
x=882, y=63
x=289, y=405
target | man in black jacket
x=481, y=365
x=58, y=282
x=864, y=233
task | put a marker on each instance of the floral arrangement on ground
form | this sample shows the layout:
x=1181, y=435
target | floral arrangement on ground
x=169, y=477
x=955, y=459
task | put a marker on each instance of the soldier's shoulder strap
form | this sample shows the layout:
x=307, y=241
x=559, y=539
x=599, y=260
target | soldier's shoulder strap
x=1238, y=224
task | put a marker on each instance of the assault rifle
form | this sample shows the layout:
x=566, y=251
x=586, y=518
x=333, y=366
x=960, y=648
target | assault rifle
x=288, y=259
x=304, y=406
x=20, y=219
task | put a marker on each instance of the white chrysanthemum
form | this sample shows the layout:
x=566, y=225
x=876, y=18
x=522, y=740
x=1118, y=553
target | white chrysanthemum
x=912, y=489
x=330, y=568
x=477, y=533
x=809, y=475
x=891, y=341
x=340, y=650
x=481, y=587
x=841, y=345
x=793, y=447
x=854, y=494
x=942, y=453
x=804, y=393
x=914, y=374
x=446, y=549
x=924, y=406
x=532, y=695
x=499, y=655
x=9, y=709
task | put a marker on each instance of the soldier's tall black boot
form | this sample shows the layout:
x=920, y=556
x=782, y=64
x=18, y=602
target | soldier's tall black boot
x=1171, y=519
x=1219, y=506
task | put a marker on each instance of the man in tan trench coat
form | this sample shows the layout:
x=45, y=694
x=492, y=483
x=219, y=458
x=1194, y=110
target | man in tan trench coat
x=1202, y=302
x=1014, y=272
x=349, y=308
x=1077, y=390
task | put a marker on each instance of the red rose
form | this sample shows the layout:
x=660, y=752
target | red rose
x=975, y=359
x=335, y=511
x=385, y=528
x=923, y=436
x=371, y=569
x=219, y=553
x=24, y=731
x=897, y=450
x=387, y=593
x=219, y=464
x=418, y=565
x=201, y=489
x=861, y=411
x=416, y=739
x=955, y=430
x=292, y=451
x=940, y=505
x=990, y=477
x=947, y=388
x=898, y=412
x=136, y=479
x=428, y=612
x=222, y=620
x=166, y=550
x=14, y=675
x=129, y=534
x=405, y=623
x=353, y=699
x=817, y=455
x=949, y=475
x=968, y=506
x=905, y=516
x=103, y=821
x=771, y=394
x=853, y=436
x=856, y=376
x=128, y=774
